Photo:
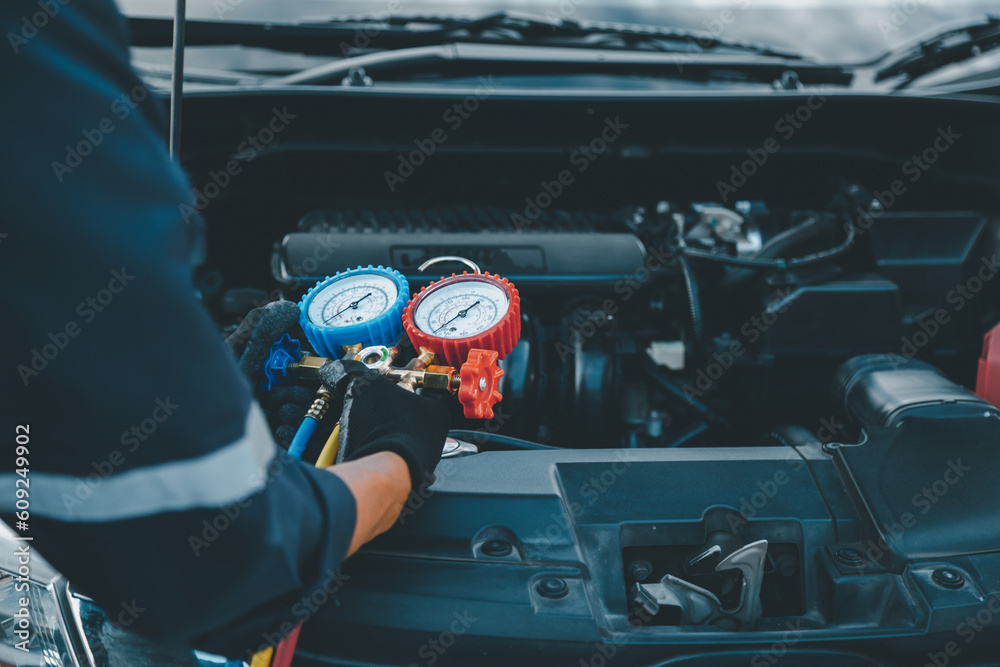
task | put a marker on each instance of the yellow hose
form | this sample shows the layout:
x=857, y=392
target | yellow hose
x=326, y=459
x=262, y=658
x=329, y=453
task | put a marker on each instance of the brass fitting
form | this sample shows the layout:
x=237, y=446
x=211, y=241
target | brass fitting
x=307, y=368
x=440, y=377
x=320, y=404
x=435, y=377
x=419, y=372
x=351, y=351
x=421, y=361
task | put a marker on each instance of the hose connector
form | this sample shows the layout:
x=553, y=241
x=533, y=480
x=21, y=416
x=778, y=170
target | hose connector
x=320, y=404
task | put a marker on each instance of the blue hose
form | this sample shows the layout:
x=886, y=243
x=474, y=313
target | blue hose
x=301, y=439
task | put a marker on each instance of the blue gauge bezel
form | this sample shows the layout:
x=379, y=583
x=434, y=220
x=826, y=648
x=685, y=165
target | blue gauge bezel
x=383, y=330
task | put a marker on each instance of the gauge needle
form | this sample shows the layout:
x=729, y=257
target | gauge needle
x=461, y=313
x=353, y=305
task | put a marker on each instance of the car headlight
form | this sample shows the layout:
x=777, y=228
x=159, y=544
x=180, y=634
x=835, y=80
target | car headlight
x=35, y=617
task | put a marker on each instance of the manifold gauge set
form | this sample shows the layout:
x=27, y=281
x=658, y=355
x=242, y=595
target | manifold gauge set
x=458, y=327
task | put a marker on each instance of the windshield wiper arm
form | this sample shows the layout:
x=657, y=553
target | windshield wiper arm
x=339, y=36
x=947, y=47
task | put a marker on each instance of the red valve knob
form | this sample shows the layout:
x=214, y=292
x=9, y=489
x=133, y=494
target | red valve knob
x=480, y=377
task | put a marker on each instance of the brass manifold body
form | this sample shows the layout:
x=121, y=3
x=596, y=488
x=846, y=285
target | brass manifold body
x=419, y=372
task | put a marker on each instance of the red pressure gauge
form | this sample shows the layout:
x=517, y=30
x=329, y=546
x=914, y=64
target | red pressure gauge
x=464, y=312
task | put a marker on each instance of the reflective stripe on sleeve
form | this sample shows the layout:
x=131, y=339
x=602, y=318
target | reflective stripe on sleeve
x=225, y=476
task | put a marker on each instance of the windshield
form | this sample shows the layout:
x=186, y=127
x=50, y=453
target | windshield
x=841, y=31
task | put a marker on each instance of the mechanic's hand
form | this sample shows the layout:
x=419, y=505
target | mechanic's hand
x=251, y=343
x=259, y=330
x=285, y=408
x=379, y=416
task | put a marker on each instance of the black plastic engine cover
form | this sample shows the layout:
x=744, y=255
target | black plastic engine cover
x=463, y=568
x=930, y=484
x=541, y=258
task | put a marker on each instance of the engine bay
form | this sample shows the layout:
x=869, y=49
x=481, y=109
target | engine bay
x=674, y=324
x=741, y=378
x=664, y=300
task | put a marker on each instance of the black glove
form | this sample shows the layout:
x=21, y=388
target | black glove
x=285, y=407
x=251, y=343
x=259, y=330
x=378, y=416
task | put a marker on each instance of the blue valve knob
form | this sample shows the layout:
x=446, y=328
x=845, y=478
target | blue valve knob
x=284, y=351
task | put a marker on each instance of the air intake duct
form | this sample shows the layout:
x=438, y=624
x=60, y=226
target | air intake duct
x=880, y=390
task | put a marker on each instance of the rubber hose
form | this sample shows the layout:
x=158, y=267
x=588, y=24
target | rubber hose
x=301, y=439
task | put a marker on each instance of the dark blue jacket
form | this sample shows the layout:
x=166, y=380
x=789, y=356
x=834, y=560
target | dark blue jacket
x=155, y=483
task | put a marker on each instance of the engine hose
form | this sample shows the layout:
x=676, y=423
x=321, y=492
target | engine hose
x=688, y=434
x=791, y=435
x=478, y=437
x=298, y=446
x=694, y=304
x=776, y=246
x=328, y=456
x=779, y=263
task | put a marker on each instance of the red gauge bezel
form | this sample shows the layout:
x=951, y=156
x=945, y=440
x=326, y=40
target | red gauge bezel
x=501, y=337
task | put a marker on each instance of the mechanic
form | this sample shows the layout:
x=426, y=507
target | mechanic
x=144, y=433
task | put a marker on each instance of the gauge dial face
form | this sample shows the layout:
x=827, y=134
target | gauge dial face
x=461, y=309
x=352, y=300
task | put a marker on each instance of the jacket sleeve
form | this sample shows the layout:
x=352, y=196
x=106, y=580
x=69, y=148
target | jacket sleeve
x=156, y=487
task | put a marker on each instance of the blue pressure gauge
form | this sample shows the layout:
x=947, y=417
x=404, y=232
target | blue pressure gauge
x=362, y=305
